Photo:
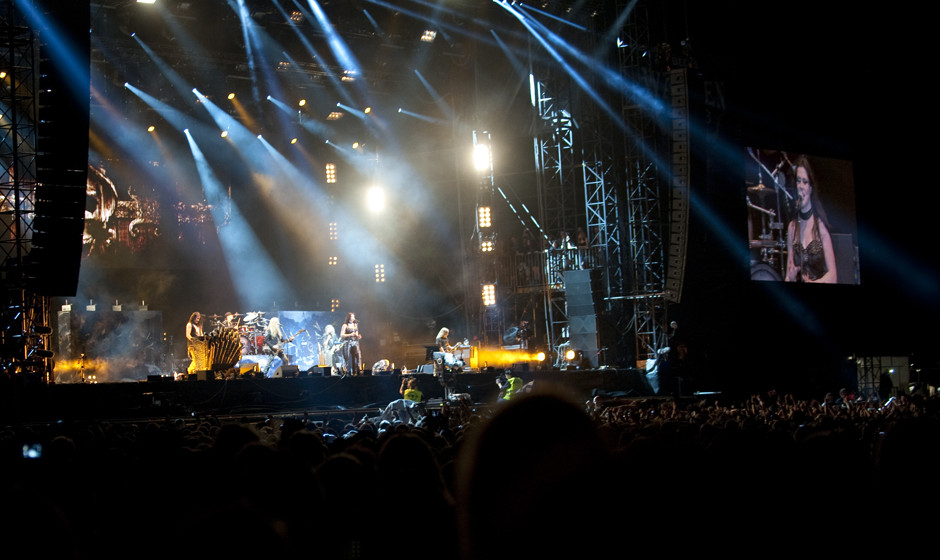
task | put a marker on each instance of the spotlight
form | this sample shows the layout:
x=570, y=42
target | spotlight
x=334, y=116
x=481, y=157
x=540, y=356
x=367, y=110
x=570, y=355
x=380, y=273
x=487, y=246
x=484, y=219
x=151, y=128
x=258, y=137
x=231, y=95
x=428, y=36
x=302, y=102
x=375, y=199
x=4, y=75
x=293, y=140
x=489, y=295
x=224, y=134
x=331, y=173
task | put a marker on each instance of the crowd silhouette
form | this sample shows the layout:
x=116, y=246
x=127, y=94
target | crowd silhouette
x=540, y=475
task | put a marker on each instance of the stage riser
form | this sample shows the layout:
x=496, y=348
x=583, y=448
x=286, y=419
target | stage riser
x=158, y=399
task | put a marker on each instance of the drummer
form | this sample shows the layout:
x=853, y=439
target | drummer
x=230, y=322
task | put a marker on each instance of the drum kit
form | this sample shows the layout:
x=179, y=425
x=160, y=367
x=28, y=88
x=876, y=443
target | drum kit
x=249, y=326
x=766, y=206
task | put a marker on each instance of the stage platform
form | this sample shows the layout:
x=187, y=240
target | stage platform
x=162, y=397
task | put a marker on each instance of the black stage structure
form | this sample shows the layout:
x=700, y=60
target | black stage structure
x=312, y=395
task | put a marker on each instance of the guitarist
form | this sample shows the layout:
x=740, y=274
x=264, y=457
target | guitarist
x=274, y=339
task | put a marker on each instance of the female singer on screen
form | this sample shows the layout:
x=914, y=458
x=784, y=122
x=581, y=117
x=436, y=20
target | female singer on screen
x=810, y=257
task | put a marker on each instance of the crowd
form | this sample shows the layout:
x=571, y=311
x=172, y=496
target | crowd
x=540, y=475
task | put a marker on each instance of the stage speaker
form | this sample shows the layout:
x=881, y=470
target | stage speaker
x=62, y=162
x=582, y=288
x=286, y=371
x=202, y=375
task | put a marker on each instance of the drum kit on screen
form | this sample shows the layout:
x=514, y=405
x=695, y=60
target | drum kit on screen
x=249, y=326
x=768, y=202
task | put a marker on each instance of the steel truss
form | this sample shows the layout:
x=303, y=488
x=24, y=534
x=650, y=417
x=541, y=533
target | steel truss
x=556, y=178
x=25, y=318
x=645, y=215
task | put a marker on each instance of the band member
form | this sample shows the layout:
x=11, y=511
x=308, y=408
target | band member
x=349, y=334
x=274, y=339
x=194, y=336
x=331, y=350
x=810, y=257
x=445, y=349
x=229, y=322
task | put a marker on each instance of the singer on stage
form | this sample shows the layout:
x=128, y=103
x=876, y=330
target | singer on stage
x=810, y=257
x=349, y=334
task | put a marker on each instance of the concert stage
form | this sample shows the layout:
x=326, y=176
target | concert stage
x=164, y=397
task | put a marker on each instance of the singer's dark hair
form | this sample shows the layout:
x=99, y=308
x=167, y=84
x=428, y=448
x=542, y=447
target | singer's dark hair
x=349, y=316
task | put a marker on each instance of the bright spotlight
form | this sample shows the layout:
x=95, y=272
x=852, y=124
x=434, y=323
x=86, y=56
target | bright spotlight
x=224, y=134
x=293, y=140
x=540, y=356
x=367, y=110
x=399, y=109
x=302, y=102
x=231, y=95
x=481, y=157
x=151, y=128
x=331, y=173
x=428, y=36
x=375, y=199
x=484, y=219
x=489, y=295
x=258, y=137
x=570, y=355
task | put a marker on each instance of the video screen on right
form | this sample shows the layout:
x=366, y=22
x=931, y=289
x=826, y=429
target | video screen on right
x=801, y=219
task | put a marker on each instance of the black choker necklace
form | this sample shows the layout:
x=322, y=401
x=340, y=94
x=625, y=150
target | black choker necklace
x=806, y=215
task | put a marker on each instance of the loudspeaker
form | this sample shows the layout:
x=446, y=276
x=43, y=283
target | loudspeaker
x=202, y=375
x=62, y=164
x=286, y=371
x=582, y=287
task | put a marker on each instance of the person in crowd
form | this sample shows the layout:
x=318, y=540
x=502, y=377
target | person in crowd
x=409, y=390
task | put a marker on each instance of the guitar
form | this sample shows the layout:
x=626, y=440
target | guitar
x=277, y=347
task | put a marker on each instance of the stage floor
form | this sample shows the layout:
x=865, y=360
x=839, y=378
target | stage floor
x=164, y=397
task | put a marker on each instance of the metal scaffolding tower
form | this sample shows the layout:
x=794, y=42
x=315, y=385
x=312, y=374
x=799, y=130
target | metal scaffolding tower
x=557, y=177
x=25, y=315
